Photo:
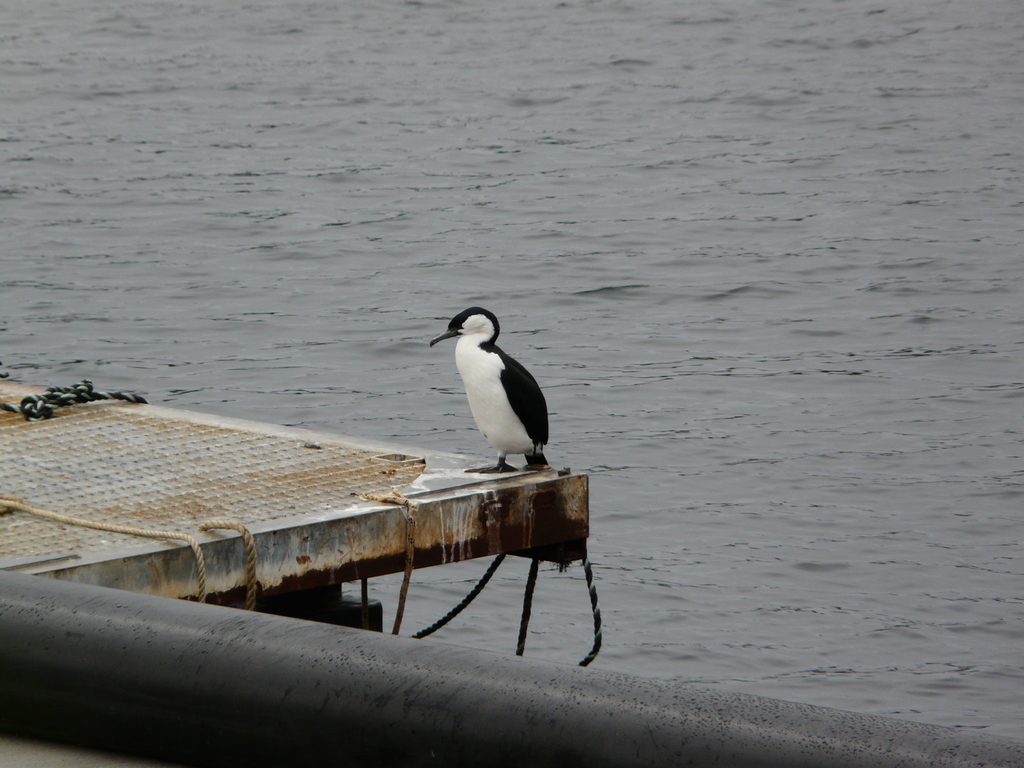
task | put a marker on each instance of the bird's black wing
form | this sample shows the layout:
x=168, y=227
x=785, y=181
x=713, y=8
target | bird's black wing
x=525, y=397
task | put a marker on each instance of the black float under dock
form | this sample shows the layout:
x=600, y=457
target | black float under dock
x=211, y=686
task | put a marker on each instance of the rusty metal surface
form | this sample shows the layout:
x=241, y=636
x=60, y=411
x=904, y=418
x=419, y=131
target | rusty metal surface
x=165, y=469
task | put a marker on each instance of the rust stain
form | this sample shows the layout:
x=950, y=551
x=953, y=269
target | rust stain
x=490, y=517
x=368, y=546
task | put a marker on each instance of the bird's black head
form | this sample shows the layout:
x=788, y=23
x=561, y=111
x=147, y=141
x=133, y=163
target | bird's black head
x=472, y=321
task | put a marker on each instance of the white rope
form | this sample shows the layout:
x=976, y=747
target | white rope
x=408, y=508
x=250, y=555
x=17, y=505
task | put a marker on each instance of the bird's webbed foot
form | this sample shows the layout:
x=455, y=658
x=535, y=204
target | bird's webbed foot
x=501, y=466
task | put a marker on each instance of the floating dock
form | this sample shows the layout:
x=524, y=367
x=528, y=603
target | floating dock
x=298, y=492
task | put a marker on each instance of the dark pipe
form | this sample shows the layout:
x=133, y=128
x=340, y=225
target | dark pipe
x=215, y=686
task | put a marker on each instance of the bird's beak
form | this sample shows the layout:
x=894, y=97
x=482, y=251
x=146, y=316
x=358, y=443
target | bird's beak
x=446, y=335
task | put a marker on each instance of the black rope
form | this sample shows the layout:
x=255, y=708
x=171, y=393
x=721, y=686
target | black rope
x=39, y=407
x=524, y=623
x=465, y=601
x=588, y=570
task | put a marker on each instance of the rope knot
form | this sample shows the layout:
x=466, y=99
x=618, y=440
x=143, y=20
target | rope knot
x=408, y=507
x=40, y=407
x=251, y=584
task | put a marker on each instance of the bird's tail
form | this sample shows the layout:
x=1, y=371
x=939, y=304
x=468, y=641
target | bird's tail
x=536, y=459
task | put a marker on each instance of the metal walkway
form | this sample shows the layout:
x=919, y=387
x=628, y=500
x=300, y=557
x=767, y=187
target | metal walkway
x=164, y=469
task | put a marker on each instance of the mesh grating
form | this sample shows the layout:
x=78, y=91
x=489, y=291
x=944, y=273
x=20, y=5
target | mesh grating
x=130, y=466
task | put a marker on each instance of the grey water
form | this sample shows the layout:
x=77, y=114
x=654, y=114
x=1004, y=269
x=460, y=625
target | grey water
x=765, y=258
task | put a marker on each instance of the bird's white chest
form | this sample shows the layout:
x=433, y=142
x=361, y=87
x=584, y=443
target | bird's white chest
x=481, y=373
